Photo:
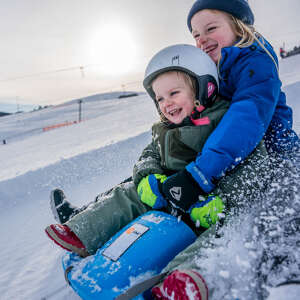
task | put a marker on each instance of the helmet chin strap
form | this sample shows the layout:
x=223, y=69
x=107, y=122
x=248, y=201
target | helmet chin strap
x=196, y=115
x=198, y=108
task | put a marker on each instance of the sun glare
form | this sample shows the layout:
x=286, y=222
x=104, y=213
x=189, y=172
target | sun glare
x=113, y=49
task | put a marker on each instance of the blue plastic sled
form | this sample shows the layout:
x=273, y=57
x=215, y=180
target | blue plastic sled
x=140, y=250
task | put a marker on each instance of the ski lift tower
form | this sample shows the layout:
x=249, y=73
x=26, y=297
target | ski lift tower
x=79, y=110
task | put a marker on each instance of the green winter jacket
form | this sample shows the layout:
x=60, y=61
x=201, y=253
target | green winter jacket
x=174, y=146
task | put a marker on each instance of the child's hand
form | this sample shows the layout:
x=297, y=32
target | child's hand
x=149, y=191
x=206, y=211
x=182, y=191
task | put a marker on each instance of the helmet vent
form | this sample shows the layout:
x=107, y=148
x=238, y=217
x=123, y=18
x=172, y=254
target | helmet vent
x=175, y=60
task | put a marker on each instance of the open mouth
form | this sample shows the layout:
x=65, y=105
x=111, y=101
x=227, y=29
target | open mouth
x=174, y=112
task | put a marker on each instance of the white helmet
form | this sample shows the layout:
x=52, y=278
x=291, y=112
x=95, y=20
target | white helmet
x=189, y=59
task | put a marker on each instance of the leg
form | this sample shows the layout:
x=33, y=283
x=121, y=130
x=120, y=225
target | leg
x=63, y=210
x=102, y=219
x=184, y=277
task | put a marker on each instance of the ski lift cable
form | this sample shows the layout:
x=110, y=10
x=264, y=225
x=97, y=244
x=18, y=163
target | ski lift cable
x=40, y=74
x=80, y=68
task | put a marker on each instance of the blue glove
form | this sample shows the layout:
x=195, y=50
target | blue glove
x=207, y=211
x=149, y=191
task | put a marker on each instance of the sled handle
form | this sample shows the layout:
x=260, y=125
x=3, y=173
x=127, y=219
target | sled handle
x=67, y=271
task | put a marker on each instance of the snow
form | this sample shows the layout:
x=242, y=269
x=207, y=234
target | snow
x=84, y=159
x=288, y=292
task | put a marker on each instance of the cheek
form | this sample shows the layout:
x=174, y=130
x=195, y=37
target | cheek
x=197, y=43
x=190, y=106
x=219, y=37
x=228, y=39
x=160, y=106
x=224, y=38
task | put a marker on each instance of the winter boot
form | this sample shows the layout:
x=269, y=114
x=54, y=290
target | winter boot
x=62, y=209
x=181, y=285
x=65, y=238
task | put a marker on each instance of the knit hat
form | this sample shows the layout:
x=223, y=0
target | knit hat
x=238, y=8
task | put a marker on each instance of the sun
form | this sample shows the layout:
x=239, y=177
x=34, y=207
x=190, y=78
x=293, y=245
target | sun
x=113, y=48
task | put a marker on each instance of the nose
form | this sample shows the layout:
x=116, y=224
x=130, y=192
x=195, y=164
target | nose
x=167, y=101
x=200, y=42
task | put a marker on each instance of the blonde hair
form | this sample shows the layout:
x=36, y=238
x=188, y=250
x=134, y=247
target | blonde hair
x=190, y=81
x=248, y=35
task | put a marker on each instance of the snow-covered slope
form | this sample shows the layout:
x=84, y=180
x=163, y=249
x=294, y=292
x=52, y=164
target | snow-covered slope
x=84, y=159
x=30, y=147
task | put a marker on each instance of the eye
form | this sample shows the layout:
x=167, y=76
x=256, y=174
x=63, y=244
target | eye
x=174, y=93
x=196, y=36
x=159, y=99
x=212, y=28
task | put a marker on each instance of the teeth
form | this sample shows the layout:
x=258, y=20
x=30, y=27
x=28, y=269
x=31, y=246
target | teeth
x=172, y=112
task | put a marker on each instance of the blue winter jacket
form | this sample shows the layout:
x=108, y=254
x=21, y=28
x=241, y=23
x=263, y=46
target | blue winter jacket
x=258, y=109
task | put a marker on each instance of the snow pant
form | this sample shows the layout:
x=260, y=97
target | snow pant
x=113, y=210
x=103, y=218
x=257, y=247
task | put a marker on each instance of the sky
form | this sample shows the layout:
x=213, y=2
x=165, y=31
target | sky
x=54, y=51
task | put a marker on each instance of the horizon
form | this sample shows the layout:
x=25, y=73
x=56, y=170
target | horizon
x=12, y=108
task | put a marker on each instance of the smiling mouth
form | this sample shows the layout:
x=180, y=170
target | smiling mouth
x=175, y=111
x=209, y=49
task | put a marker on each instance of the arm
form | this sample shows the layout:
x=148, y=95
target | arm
x=244, y=124
x=148, y=163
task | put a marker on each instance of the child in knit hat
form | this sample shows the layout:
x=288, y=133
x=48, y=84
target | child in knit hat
x=248, y=73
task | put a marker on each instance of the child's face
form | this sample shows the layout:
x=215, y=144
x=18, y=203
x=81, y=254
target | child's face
x=212, y=30
x=174, y=95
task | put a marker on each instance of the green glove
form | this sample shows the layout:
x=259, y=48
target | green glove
x=205, y=213
x=149, y=191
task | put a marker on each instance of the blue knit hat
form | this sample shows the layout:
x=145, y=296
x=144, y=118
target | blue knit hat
x=238, y=8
